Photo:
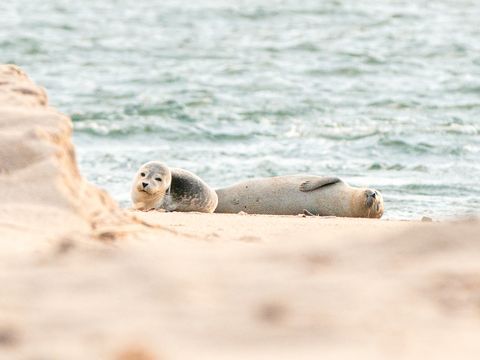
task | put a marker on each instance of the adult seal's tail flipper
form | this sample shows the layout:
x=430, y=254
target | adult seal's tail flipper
x=293, y=195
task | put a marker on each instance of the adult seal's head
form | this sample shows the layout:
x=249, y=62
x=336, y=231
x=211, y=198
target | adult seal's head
x=156, y=186
x=150, y=185
x=369, y=203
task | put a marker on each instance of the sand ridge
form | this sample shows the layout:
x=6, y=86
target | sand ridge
x=41, y=189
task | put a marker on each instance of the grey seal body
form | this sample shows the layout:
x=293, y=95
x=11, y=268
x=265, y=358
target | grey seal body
x=292, y=195
x=156, y=186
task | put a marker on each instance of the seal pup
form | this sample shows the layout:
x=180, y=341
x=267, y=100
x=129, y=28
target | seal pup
x=158, y=187
x=297, y=194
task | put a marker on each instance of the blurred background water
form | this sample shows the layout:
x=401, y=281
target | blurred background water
x=382, y=93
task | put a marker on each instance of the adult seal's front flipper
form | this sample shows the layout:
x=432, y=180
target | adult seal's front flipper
x=317, y=183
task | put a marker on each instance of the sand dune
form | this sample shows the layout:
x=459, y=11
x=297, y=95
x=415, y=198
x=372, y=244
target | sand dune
x=41, y=190
x=83, y=279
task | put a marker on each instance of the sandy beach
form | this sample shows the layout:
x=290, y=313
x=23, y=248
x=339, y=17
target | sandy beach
x=84, y=279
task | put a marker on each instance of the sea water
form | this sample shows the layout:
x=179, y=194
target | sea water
x=381, y=93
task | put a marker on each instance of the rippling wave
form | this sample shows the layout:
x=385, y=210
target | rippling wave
x=381, y=93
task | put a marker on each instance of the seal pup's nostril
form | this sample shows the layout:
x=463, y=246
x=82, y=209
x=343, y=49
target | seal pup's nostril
x=144, y=185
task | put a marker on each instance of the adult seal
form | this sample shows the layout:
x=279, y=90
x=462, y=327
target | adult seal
x=296, y=194
x=158, y=187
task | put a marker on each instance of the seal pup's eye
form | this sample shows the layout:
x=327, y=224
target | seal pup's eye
x=142, y=174
x=158, y=179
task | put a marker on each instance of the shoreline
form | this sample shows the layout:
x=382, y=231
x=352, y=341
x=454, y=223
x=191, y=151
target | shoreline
x=268, y=226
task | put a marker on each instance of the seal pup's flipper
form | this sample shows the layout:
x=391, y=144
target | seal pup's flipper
x=310, y=185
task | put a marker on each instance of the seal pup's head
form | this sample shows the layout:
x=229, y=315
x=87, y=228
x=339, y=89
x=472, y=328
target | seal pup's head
x=373, y=203
x=150, y=184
